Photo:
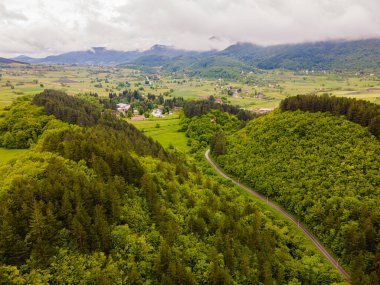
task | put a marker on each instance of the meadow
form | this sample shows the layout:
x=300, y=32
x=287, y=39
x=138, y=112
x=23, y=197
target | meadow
x=165, y=131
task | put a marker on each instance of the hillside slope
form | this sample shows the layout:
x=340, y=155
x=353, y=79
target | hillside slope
x=323, y=169
x=9, y=61
x=96, y=201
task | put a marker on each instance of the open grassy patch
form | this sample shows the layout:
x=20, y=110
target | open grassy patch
x=165, y=131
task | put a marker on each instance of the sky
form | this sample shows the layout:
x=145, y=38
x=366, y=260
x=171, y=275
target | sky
x=44, y=27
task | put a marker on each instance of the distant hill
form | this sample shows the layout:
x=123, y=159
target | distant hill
x=103, y=56
x=361, y=54
x=330, y=55
x=353, y=55
x=9, y=61
x=96, y=56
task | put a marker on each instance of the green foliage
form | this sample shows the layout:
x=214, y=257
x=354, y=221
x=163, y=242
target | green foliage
x=76, y=110
x=204, y=128
x=54, y=203
x=73, y=215
x=324, y=169
x=359, y=111
x=105, y=150
x=202, y=107
x=22, y=125
x=68, y=108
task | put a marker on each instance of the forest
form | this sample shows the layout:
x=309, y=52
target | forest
x=362, y=112
x=94, y=201
x=202, y=107
x=322, y=168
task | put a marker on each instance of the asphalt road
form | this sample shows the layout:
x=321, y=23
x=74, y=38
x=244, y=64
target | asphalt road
x=320, y=247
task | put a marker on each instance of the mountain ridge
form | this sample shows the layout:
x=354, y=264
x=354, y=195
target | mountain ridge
x=4, y=60
x=323, y=55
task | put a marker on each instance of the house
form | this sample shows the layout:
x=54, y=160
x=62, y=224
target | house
x=219, y=101
x=121, y=107
x=265, y=110
x=138, y=118
x=262, y=110
x=157, y=112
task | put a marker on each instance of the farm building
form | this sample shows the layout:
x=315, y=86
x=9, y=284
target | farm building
x=121, y=107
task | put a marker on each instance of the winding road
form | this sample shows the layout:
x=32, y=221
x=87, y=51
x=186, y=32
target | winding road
x=314, y=240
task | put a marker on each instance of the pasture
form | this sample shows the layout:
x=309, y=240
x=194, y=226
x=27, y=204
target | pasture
x=164, y=130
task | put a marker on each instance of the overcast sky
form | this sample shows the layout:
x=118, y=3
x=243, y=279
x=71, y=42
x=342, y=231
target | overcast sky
x=44, y=27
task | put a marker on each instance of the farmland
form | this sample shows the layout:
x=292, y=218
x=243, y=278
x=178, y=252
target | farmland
x=264, y=89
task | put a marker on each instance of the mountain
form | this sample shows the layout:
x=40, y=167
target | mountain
x=353, y=55
x=103, y=56
x=359, y=54
x=9, y=61
x=24, y=58
x=329, y=55
x=96, y=55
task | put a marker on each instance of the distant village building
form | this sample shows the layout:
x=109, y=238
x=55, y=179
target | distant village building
x=157, y=112
x=121, y=107
x=219, y=101
x=138, y=118
x=265, y=110
x=262, y=110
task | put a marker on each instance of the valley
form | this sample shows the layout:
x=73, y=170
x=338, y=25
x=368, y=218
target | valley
x=103, y=175
x=250, y=90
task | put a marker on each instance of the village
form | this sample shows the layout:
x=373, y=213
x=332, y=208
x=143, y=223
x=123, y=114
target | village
x=135, y=114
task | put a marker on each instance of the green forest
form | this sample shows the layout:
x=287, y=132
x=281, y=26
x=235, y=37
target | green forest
x=362, y=112
x=322, y=168
x=95, y=201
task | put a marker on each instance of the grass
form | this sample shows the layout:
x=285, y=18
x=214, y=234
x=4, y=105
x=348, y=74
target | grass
x=8, y=154
x=165, y=131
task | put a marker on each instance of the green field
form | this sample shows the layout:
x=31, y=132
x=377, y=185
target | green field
x=8, y=154
x=165, y=131
x=264, y=89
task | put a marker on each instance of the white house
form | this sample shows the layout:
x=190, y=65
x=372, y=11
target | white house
x=121, y=107
x=157, y=112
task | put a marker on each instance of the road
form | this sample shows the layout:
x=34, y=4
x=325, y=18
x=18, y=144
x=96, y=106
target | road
x=314, y=240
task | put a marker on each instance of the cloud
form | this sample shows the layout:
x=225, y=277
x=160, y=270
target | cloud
x=55, y=26
x=261, y=21
x=9, y=15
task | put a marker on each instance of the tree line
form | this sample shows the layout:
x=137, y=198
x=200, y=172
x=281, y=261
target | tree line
x=202, y=107
x=365, y=113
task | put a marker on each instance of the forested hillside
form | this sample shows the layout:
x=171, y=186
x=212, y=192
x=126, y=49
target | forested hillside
x=230, y=62
x=361, y=112
x=96, y=202
x=323, y=169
